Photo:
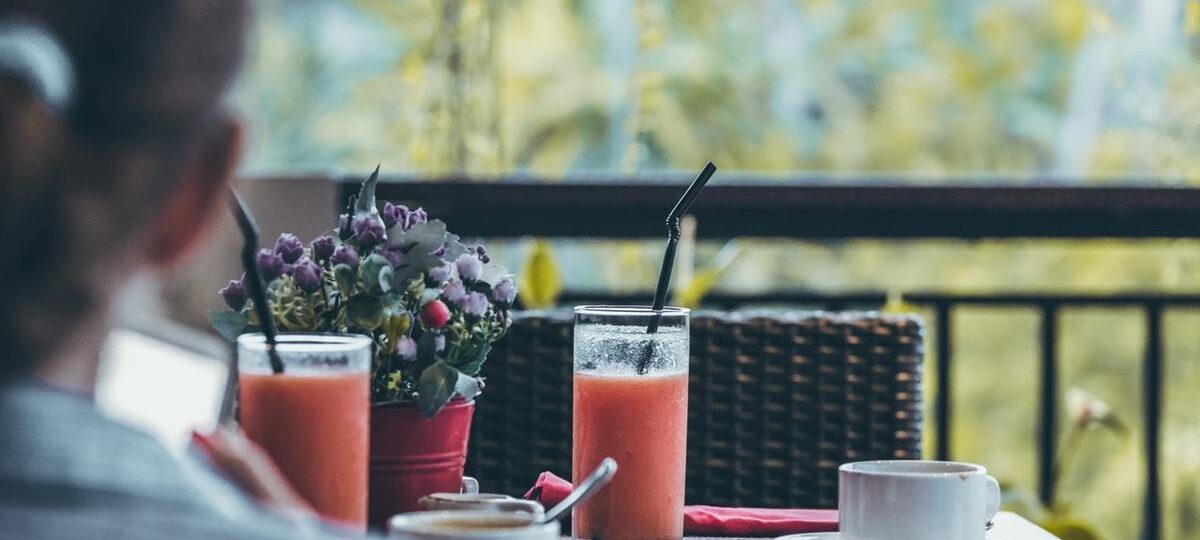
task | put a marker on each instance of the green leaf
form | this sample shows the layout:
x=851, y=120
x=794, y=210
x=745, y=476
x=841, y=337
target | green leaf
x=435, y=388
x=386, y=276
x=397, y=325
x=472, y=358
x=423, y=238
x=365, y=205
x=467, y=386
x=493, y=273
x=419, y=244
x=369, y=271
x=344, y=276
x=427, y=348
x=429, y=295
x=454, y=248
x=230, y=324
x=365, y=312
x=405, y=272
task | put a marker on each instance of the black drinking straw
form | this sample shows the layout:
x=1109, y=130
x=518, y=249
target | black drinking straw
x=258, y=290
x=664, y=276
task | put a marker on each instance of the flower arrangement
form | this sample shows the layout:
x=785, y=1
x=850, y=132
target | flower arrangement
x=432, y=305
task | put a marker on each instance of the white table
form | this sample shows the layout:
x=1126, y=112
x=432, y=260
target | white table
x=1008, y=526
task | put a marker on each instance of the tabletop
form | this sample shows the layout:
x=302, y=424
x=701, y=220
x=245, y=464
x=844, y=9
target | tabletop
x=1008, y=526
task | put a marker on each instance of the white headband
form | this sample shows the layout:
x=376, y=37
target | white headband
x=32, y=53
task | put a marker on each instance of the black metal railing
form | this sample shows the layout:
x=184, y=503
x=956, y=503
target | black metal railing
x=805, y=208
x=623, y=208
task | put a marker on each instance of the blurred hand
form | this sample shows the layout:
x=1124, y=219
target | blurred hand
x=249, y=467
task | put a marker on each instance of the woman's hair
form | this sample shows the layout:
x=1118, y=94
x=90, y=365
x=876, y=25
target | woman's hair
x=78, y=179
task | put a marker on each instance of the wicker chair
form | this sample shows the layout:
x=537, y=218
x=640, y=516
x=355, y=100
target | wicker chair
x=776, y=402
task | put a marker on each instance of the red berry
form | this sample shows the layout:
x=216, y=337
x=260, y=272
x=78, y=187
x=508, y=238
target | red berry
x=435, y=314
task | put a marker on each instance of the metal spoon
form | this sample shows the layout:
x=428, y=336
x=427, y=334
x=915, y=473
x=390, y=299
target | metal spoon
x=584, y=490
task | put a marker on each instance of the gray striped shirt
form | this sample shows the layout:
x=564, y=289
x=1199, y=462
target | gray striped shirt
x=66, y=471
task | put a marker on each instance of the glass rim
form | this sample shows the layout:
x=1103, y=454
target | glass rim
x=286, y=342
x=630, y=311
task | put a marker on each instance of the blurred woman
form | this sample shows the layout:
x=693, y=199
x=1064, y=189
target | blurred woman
x=115, y=157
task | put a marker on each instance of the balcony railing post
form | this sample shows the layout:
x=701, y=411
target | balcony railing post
x=1152, y=394
x=1048, y=426
x=942, y=393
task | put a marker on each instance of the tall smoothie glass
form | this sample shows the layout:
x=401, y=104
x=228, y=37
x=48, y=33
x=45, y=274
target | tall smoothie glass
x=312, y=419
x=631, y=390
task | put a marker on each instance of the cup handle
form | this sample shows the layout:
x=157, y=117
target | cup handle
x=993, y=498
x=470, y=485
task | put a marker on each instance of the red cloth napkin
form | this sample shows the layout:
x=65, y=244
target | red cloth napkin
x=715, y=520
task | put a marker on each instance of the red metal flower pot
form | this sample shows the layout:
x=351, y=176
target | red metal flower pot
x=412, y=457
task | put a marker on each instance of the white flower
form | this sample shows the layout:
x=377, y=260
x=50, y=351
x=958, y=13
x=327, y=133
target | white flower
x=469, y=267
x=455, y=291
x=406, y=348
x=1086, y=409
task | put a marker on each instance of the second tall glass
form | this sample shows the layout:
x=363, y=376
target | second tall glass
x=312, y=419
x=630, y=391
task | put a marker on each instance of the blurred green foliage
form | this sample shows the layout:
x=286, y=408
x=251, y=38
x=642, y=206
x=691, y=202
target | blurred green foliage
x=924, y=91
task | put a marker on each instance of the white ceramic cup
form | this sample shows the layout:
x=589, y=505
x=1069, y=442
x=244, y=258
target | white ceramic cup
x=470, y=524
x=915, y=500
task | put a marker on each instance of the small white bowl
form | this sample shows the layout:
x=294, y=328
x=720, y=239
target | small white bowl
x=470, y=524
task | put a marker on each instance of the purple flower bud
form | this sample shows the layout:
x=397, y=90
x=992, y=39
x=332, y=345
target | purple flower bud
x=439, y=274
x=505, y=292
x=270, y=265
x=343, y=227
x=289, y=247
x=455, y=291
x=396, y=216
x=395, y=256
x=388, y=214
x=469, y=267
x=369, y=230
x=481, y=252
x=406, y=348
x=417, y=216
x=307, y=275
x=234, y=294
x=322, y=248
x=346, y=255
x=475, y=304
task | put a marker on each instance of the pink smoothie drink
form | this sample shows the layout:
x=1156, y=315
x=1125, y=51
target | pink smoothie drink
x=642, y=423
x=313, y=418
x=630, y=404
x=315, y=430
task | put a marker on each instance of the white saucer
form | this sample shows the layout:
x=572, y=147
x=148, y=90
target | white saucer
x=811, y=536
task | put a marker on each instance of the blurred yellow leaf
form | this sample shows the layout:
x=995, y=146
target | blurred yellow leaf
x=1069, y=20
x=1191, y=17
x=896, y=304
x=1070, y=529
x=541, y=283
x=692, y=293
